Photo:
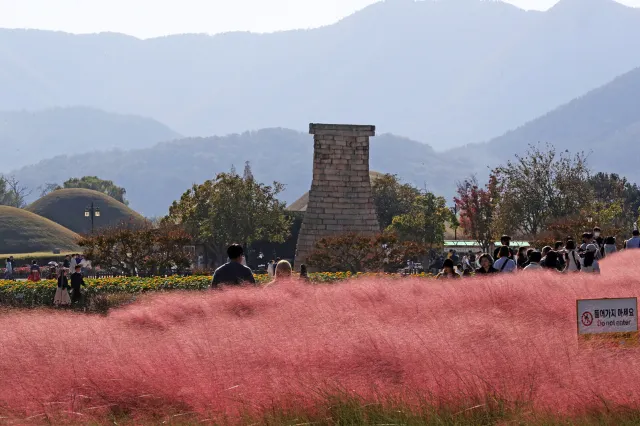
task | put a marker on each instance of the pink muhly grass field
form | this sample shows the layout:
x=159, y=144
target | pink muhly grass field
x=448, y=344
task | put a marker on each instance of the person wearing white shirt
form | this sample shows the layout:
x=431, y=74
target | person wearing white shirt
x=572, y=258
x=271, y=269
x=504, y=264
x=634, y=242
x=534, y=261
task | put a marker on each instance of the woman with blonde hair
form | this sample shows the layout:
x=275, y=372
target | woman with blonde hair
x=283, y=270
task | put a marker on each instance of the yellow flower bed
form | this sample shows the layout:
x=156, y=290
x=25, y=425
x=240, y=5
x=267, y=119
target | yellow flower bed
x=43, y=292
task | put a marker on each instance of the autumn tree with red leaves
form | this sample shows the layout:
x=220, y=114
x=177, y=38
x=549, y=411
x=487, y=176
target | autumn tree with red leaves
x=477, y=209
x=359, y=253
x=139, y=250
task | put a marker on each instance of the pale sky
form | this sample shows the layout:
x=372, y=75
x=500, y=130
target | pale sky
x=152, y=18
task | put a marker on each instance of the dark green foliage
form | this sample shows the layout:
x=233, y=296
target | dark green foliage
x=96, y=184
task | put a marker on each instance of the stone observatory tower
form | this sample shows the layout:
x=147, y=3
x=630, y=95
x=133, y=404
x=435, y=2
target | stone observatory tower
x=340, y=199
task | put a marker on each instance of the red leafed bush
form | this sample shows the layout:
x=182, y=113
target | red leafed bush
x=509, y=338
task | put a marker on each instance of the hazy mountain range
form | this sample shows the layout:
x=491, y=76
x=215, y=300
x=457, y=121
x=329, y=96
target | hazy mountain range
x=446, y=72
x=27, y=137
x=155, y=177
x=605, y=122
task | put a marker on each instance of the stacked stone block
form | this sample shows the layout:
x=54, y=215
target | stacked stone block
x=340, y=199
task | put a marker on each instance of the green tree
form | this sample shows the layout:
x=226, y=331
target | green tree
x=93, y=182
x=232, y=209
x=619, y=198
x=539, y=188
x=425, y=223
x=12, y=193
x=392, y=198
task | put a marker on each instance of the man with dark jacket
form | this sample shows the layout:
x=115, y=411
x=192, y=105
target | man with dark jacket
x=233, y=272
x=77, y=281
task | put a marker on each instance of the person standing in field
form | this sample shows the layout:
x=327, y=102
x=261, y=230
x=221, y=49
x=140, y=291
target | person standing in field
x=572, y=259
x=634, y=242
x=504, y=263
x=551, y=261
x=77, y=281
x=304, y=274
x=233, y=272
x=522, y=259
x=559, y=249
x=8, y=271
x=590, y=260
x=505, y=240
x=610, y=245
x=34, y=273
x=62, y=292
x=486, y=265
x=535, y=257
x=271, y=268
x=448, y=271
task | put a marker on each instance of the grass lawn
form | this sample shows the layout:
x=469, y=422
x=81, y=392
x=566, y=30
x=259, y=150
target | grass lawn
x=37, y=255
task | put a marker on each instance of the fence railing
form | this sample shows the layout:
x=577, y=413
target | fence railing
x=46, y=273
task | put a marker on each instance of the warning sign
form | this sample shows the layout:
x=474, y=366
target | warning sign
x=608, y=318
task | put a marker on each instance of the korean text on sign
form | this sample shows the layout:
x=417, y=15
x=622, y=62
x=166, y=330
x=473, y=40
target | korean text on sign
x=597, y=316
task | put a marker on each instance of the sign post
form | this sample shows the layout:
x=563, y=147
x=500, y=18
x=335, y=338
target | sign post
x=608, y=320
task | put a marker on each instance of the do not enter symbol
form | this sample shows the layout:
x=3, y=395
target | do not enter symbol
x=587, y=319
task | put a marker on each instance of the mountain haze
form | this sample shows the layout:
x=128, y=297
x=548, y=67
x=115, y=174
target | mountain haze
x=446, y=72
x=155, y=177
x=604, y=123
x=28, y=137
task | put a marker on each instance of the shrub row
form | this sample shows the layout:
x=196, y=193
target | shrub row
x=30, y=294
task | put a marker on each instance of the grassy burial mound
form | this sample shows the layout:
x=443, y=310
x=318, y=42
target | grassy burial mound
x=24, y=232
x=67, y=207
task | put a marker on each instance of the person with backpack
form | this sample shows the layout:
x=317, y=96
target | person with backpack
x=572, y=258
x=590, y=260
x=504, y=262
x=598, y=240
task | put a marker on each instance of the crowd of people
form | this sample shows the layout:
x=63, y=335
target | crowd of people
x=565, y=256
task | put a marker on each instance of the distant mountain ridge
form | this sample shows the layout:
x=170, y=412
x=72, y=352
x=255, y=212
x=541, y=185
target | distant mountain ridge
x=604, y=123
x=28, y=137
x=155, y=177
x=446, y=73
